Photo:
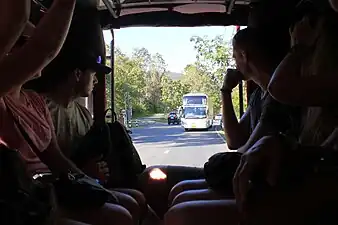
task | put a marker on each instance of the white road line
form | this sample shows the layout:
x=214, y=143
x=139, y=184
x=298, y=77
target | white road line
x=166, y=152
x=218, y=133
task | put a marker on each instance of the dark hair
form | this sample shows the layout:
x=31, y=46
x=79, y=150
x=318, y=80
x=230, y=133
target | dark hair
x=263, y=46
x=55, y=73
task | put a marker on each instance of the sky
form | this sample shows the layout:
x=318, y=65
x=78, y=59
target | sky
x=173, y=43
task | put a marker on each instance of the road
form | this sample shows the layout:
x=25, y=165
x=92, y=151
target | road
x=170, y=145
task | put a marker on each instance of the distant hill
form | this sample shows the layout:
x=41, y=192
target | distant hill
x=175, y=76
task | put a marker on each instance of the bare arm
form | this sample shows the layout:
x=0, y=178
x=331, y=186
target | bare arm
x=259, y=132
x=56, y=160
x=14, y=15
x=289, y=87
x=236, y=133
x=43, y=46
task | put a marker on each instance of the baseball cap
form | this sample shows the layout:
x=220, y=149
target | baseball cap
x=82, y=58
x=91, y=61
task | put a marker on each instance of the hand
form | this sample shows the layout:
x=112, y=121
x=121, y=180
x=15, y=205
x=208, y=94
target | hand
x=97, y=168
x=266, y=152
x=103, y=169
x=304, y=34
x=231, y=79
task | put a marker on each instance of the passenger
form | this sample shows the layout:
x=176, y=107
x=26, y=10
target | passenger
x=70, y=76
x=310, y=70
x=30, y=110
x=256, y=59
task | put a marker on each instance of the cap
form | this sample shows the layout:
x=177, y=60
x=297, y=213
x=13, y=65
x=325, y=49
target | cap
x=90, y=61
x=69, y=59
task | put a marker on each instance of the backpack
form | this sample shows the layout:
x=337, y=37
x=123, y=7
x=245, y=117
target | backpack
x=22, y=199
x=123, y=160
x=112, y=141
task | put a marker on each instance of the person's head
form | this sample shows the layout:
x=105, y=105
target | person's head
x=75, y=70
x=254, y=49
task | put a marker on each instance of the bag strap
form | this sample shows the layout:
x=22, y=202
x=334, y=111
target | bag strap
x=113, y=114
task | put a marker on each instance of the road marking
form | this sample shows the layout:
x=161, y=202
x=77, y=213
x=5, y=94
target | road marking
x=166, y=152
x=218, y=133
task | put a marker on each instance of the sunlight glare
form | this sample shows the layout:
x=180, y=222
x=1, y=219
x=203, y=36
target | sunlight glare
x=157, y=174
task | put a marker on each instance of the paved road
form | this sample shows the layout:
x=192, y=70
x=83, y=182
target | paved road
x=170, y=145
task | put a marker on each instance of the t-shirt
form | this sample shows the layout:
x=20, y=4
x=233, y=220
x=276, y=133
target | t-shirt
x=71, y=124
x=255, y=103
x=280, y=117
x=34, y=118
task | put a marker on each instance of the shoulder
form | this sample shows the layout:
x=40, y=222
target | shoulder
x=83, y=110
x=36, y=98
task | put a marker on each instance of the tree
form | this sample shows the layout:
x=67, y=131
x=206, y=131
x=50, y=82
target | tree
x=215, y=57
x=155, y=68
x=140, y=78
x=129, y=79
x=172, y=92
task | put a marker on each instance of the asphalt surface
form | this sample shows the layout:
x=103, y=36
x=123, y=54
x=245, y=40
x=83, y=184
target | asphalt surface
x=170, y=145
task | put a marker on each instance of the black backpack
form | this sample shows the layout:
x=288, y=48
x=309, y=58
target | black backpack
x=112, y=141
x=123, y=160
x=22, y=200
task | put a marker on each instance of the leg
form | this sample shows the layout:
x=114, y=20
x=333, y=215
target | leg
x=184, y=186
x=69, y=222
x=130, y=204
x=148, y=215
x=218, y=212
x=109, y=214
x=137, y=195
x=201, y=194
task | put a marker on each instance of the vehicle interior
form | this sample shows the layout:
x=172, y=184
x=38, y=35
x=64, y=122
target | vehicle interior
x=271, y=15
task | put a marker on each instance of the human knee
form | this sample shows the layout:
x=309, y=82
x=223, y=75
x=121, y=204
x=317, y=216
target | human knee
x=116, y=215
x=63, y=221
x=203, y=213
x=176, y=215
x=185, y=185
x=200, y=194
x=184, y=196
x=130, y=204
x=137, y=195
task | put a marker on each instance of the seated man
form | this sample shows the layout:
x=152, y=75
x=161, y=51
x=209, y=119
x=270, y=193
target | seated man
x=313, y=86
x=72, y=120
x=69, y=76
x=256, y=57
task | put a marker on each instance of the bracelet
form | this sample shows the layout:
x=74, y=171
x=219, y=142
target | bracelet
x=226, y=90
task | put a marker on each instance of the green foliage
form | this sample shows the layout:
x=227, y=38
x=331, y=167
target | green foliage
x=172, y=92
x=144, y=77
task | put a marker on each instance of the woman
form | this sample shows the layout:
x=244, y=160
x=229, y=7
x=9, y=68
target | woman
x=27, y=109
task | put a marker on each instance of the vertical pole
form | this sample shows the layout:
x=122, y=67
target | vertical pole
x=112, y=75
x=240, y=90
